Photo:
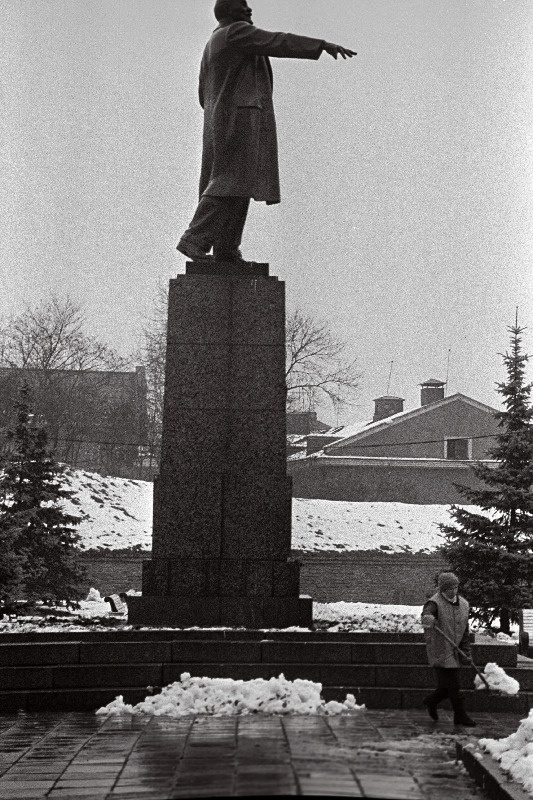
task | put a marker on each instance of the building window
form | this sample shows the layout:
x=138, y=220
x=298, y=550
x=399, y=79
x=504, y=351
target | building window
x=460, y=449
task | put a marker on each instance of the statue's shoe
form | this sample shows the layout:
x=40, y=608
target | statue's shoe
x=192, y=251
x=230, y=257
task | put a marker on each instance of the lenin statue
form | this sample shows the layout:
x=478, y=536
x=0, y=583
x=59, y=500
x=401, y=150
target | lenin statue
x=240, y=158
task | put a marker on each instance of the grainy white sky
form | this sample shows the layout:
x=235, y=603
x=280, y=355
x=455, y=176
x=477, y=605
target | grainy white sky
x=407, y=172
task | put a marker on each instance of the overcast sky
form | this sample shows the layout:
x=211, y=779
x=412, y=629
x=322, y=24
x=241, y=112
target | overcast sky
x=406, y=173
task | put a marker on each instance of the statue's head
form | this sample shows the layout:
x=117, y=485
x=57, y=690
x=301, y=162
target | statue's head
x=236, y=10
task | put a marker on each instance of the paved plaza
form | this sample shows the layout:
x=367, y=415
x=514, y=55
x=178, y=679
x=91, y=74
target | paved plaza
x=398, y=755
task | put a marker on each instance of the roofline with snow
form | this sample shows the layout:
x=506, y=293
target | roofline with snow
x=395, y=419
x=388, y=461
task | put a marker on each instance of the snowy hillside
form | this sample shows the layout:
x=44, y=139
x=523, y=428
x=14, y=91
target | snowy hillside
x=390, y=527
x=117, y=514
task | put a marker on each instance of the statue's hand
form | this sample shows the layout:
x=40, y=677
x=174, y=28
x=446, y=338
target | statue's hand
x=336, y=50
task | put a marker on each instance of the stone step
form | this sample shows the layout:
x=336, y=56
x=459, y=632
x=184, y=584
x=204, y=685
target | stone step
x=80, y=673
x=88, y=686
x=419, y=676
x=233, y=652
x=227, y=634
x=90, y=699
x=36, y=700
x=387, y=697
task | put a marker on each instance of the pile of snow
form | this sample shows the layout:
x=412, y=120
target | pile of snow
x=506, y=638
x=117, y=514
x=227, y=697
x=93, y=596
x=370, y=617
x=497, y=679
x=515, y=753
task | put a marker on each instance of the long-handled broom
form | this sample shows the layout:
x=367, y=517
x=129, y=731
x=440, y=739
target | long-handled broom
x=463, y=654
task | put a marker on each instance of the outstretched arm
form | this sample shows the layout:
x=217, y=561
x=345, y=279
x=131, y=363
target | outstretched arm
x=255, y=41
x=252, y=40
x=336, y=50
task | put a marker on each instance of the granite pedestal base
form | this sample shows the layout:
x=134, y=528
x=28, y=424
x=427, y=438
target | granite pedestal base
x=222, y=500
x=248, y=612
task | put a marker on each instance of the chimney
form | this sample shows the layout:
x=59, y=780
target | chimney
x=386, y=406
x=301, y=422
x=431, y=391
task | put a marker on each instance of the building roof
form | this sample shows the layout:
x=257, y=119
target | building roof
x=358, y=431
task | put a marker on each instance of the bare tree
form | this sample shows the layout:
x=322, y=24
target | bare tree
x=316, y=366
x=152, y=356
x=51, y=336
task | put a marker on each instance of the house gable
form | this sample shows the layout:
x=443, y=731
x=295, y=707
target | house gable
x=422, y=433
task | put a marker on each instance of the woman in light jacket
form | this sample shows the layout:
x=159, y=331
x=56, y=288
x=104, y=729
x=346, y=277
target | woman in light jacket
x=449, y=611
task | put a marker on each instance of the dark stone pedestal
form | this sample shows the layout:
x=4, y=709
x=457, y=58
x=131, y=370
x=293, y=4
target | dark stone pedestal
x=222, y=501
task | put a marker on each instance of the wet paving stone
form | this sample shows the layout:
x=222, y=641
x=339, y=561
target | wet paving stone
x=394, y=755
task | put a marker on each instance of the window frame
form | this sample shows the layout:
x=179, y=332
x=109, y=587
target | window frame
x=466, y=439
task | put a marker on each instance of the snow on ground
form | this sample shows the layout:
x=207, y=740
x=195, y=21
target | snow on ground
x=117, y=514
x=95, y=614
x=228, y=697
x=515, y=753
x=369, y=617
x=390, y=527
x=498, y=679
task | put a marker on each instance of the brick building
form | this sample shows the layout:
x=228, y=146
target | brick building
x=95, y=419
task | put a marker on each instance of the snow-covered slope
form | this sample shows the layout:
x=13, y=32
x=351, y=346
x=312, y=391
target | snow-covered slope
x=391, y=527
x=117, y=514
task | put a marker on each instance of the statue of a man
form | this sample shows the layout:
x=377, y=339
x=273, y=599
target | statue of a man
x=240, y=157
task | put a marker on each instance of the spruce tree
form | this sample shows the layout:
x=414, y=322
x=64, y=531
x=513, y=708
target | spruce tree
x=12, y=559
x=492, y=552
x=36, y=529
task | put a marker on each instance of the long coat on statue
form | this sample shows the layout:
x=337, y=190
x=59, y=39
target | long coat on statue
x=240, y=151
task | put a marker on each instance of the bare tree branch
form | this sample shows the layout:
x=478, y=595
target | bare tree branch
x=152, y=355
x=316, y=367
x=51, y=336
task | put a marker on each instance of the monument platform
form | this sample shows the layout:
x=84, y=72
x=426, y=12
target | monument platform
x=221, y=551
x=229, y=268
x=82, y=670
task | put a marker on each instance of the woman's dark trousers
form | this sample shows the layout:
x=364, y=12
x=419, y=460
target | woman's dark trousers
x=447, y=686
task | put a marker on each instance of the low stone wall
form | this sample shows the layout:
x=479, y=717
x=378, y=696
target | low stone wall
x=113, y=571
x=360, y=576
x=368, y=576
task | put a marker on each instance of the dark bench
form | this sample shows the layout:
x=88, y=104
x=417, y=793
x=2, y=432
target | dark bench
x=118, y=602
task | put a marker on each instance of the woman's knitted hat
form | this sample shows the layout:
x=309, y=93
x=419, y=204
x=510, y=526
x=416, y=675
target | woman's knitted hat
x=447, y=580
